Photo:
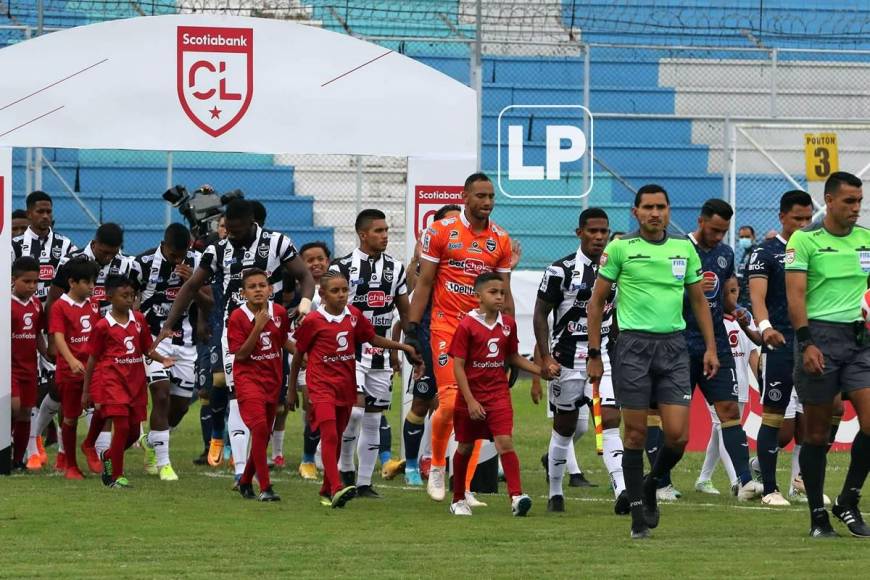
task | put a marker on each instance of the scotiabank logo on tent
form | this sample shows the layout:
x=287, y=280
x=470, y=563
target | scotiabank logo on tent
x=215, y=75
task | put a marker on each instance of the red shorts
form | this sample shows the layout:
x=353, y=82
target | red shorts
x=256, y=410
x=24, y=391
x=137, y=413
x=321, y=412
x=498, y=421
x=70, y=399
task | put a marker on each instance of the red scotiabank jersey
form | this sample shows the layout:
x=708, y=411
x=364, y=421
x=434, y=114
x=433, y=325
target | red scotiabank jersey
x=27, y=322
x=330, y=342
x=76, y=321
x=119, y=374
x=485, y=350
x=262, y=373
x=462, y=255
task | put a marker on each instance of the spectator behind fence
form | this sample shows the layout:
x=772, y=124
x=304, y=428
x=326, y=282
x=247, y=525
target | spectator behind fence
x=745, y=245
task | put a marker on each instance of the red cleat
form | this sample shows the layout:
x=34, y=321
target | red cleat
x=73, y=473
x=94, y=463
x=279, y=462
x=60, y=462
x=425, y=465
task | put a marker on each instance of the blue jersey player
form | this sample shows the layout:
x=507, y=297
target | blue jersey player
x=720, y=390
x=766, y=274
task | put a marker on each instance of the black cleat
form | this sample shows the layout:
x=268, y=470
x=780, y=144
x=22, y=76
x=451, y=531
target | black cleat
x=821, y=526
x=641, y=533
x=343, y=496
x=545, y=461
x=347, y=477
x=622, y=507
x=246, y=490
x=579, y=480
x=556, y=504
x=268, y=495
x=367, y=492
x=851, y=516
x=202, y=459
x=650, y=506
x=106, y=475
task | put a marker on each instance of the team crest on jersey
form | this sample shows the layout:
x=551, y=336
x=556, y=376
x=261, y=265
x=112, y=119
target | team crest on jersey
x=263, y=251
x=678, y=267
x=55, y=252
x=277, y=321
x=388, y=276
x=723, y=263
x=506, y=330
x=490, y=244
x=352, y=320
x=442, y=359
x=789, y=256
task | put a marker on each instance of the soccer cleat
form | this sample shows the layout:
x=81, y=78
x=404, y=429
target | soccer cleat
x=268, y=495
x=750, y=490
x=343, y=496
x=667, y=493
x=651, y=514
x=851, y=516
x=279, y=462
x=237, y=478
x=520, y=505
x=579, y=480
x=246, y=490
x=556, y=504
x=216, y=452
x=392, y=468
x=707, y=487
x=472, y=501
x=106, y=473
x=460, y=508
x=150, y=455
x=73, y=473
x=435, y=486
x=60, y=462
x=775, y=499
x=202, y=459
x=308, y=471
x=367, y=492
x=798, y=484
x=34, y=463
x=166, y=473
x=545, y=462
x=121, y=483
x=94, y=463
x=40, y=449
x=622, y=505
x=412, y=477
x=347, y=477
x=640, y=533
x=796, y=496
x=425, y=467
x=755, y=468
x=325, y=501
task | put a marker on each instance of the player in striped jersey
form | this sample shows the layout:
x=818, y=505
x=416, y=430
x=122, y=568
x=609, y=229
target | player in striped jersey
x=40, y=241
x=378, y=289
x=160, y=272
x=247, y=246
x=565, y=290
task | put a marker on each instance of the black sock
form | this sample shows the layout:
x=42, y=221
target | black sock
x=386, y=435
x=219, y=399
x=734, y=438
x=655, y=440
x=309, y=442
x=667, y=458
x=632, y=470
x=835, y=426
x=412, y=433
x=768, y=452
x=205, y=424
x=813, y=461
x=858, y=468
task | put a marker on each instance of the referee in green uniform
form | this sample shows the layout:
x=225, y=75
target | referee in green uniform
x=652, y=270
x=827, y=267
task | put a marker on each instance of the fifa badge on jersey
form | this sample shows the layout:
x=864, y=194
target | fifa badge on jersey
x=864, y=260
x=678, y=268
x=789, y=256
x=602, y=261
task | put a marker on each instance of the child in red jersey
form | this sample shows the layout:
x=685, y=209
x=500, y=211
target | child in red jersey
x=484, y=344
x=115, y=374
x=258, y=335
x=329, y=336
x=27, y=325
x=70, y=323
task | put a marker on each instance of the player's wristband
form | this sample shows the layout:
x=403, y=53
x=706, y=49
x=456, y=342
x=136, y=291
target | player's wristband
x=764, y=325
x=304, y=306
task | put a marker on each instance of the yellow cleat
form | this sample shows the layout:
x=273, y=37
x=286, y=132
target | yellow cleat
x=392, y=468
x=216, y=452
x=308, y=471
x=167, y=473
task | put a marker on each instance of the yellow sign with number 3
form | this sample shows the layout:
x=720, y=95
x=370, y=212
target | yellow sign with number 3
x=820, y=151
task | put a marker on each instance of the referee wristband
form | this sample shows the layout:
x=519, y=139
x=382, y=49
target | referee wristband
x=764, y=325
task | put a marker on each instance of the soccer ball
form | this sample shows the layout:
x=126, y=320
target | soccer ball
x=865, y=308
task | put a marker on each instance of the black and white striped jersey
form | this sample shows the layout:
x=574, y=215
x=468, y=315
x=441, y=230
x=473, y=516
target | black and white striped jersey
x=48, y=251
x=158, y=287
x=120, y=265
x=374, y=287
x=567, y=285
x=227, y=262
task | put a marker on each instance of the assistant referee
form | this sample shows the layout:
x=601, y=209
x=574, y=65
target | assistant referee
x=827, y=266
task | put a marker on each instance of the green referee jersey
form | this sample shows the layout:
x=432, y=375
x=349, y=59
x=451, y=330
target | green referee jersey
x=837, y=268
x=651, y=277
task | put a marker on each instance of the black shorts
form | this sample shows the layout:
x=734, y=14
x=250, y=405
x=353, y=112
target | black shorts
x=847, y=363
x=777, y=377
x=722, y=386
x=652, y=367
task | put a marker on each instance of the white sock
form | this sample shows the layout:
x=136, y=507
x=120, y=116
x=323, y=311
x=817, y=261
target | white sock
x=32, y=449
x=582, y=427
x=89, y=416
x=348, y=439
x=240, y=435
x=277, y=444
x=573, y=466
x=159, y=441
x=59, y=438
x=795, y=462
x=104, y=439
x=726, y=460
x=613, y=459
x=369, y=445
x=711, y=457
x=47, y=411
x=561, y=449
x=426, y=444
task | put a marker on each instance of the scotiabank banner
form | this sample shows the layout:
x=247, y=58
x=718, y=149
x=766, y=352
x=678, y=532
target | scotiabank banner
x=428, y=199
x=5, y=282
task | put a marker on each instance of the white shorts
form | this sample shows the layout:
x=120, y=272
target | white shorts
x=182, y=375
x=228, y=361
x=376, y=385
x=571, y=390
x=794, y=406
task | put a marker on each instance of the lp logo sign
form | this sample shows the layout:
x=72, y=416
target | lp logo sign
x=542, y=150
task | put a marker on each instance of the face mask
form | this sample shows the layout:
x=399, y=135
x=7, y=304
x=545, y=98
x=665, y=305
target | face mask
x=744, y=242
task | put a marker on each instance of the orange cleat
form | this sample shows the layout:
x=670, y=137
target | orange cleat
x=216, y=452
x=94, y=463
x=60, y=462
x=34, y=463
x=40, y=448
x=73, y=473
